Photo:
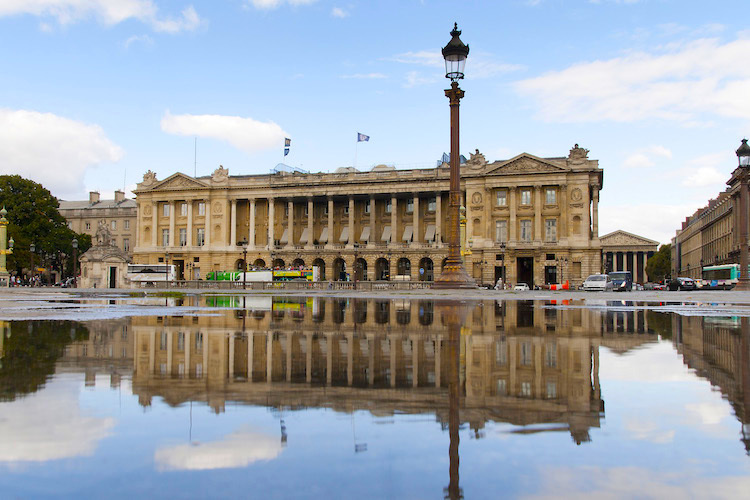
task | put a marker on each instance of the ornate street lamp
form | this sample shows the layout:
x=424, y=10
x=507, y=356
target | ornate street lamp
x=74, y=243
x=166, y=268
x=4, y=275
x=244, y=264
x=454, y=274
x=743, y=157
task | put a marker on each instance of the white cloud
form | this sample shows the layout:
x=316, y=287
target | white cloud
x=243, y=133
x=643, y=157
x=704, y=176
x=109, y=12
x=238, y=449
x=339, y=12
x=682, y=82
x=477, y=66
x=52, y=150
x=365, y=76
x=30, y=432
x=273, y=4
x=144, y=39
x=641, y=219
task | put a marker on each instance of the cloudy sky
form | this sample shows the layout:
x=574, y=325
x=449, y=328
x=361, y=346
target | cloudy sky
x=93, y=94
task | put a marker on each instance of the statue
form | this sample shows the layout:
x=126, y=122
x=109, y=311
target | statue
x=103, y=236
x=578, y=155
x=221, y=174
x=149, y=178
x=476, y=160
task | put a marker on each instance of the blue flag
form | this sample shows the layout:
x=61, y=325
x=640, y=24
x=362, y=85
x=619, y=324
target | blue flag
x=362, y=137
x=286, y=151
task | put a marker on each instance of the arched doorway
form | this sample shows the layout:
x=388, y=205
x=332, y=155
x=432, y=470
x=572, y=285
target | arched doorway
x=321, y=265
x=339, y=270
x=382, y=269
x=298, y=263
x=239, y=264
x=360, y=269
x=426, y=271
x=403, y=269
x=278, y=263
x=259, y=263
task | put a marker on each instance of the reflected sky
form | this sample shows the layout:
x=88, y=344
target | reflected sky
x=329, y=397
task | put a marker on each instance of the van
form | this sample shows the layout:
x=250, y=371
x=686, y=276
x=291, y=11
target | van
x=622, y=281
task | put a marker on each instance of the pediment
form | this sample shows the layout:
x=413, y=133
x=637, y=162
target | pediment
x=625, y=239
x=179, y=181
x=525, y=164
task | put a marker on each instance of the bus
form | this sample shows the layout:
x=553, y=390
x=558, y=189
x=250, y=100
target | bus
x=724, y=276
x=266, y=275
x=148, y=274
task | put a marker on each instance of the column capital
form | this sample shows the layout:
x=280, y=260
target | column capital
x=563, y=187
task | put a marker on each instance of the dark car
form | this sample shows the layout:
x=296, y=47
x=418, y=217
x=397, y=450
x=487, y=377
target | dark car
x=622, y=281
x=682, y=284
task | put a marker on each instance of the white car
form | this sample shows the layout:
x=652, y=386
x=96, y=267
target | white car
x=598, y=282
x=521, y=287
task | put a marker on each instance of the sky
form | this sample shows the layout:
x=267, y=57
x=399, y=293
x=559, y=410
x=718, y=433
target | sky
x=94, y=93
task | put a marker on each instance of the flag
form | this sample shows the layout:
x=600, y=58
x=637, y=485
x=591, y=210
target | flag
x=287, y=142
x=286, y=151
x=362, y=137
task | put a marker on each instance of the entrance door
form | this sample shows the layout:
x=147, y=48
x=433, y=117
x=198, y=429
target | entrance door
x=179, y=269
x=525, y=271
x=113, y=277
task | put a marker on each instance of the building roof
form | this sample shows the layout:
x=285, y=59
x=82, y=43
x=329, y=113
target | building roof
x=85, y=204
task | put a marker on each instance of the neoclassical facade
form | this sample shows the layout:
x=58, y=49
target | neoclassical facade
x=624, y=251
x=528, y=219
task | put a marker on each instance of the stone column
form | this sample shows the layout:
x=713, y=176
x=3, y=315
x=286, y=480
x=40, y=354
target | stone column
x=250, y=352
x=512, y=222
x=233, y=225
x=438, y=219
x=269, y=357
x=289, y=342
x=563, y=211
x=230, y=368
x=170, y=353
x=271, y=217
x=251, y=225
x=330, y=224
x=438, y=343
x=538, y=235
x=171, y=223
x=417, y=234
x=308, y=357
x=394, y=219
x=351, y=239
x=190, y=224
x=290, y=223
x=154, y=223
x=310, y=220
x=371, y=242
x=595, y=212
x=587, y=203
x=208, y=240
x=188, y=336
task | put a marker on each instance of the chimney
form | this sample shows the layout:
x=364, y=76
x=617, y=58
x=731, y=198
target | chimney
x=93, y=197
x=119, y=196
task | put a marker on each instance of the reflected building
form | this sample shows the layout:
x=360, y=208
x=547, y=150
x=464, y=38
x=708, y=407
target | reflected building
x=108, y=350
x=524, y=363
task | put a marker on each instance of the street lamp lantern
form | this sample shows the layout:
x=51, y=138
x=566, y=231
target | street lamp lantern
x=455, y=54
x=454, y=274
x=743, y=154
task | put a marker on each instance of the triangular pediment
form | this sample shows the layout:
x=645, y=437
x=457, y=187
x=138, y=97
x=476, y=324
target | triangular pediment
x=623, y=239
x=179, y=181
x=524, y=164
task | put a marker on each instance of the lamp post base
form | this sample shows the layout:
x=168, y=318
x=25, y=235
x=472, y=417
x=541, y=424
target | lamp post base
x=743, y=285
x=454, y=276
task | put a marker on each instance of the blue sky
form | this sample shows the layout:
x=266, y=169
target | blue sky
x=95, y=93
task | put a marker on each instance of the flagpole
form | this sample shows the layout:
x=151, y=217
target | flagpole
x=356, y=149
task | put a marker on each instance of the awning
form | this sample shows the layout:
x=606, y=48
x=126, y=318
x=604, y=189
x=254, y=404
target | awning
x=344, y=235
x=365, y=236
x=305, y=238
x=285, y=237
x=429, y=235
x=324, y=235
x=408, y=232
x=386, y=234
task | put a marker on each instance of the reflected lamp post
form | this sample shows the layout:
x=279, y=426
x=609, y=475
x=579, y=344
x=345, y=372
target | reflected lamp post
x=743, y=157
x=74, y=244
x=454, y=274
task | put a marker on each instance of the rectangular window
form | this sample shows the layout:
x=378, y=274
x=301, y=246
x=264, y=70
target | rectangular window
x=525, y=353
x=551, y=196
x=550, y=229
x=200, y=239
x=502, y=198
x=501, y=353
x=163, y=341
x=114, y=225
x=183, y=237
x=431, y=204
x=201, y=208
x=199, y=342
x=165, y=210
x=526, y=197
x=526, y=230
x=502, y=387
x=183, y=209
x=126, y=244
x=409, y=206
x=127, y=224
x=551, y=355
x=501, y=231
x=526, y=389
x=388, y=206
x=165, y=237
x=180, y=341
x=551, y=389
x=367, y=207
x=88, y=225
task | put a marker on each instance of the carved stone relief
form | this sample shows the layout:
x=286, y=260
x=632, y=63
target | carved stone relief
x=576, y=194
x=217, y=208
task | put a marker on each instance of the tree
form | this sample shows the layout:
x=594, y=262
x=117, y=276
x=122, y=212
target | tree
x=33, y=217
x=660, y=265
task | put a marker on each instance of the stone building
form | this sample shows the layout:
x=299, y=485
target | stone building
x=104, y=265
x=624, y=251
x=119, y=215
x=524, y=217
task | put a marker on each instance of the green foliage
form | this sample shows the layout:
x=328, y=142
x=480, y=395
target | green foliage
x=660, y=264
x=33, y=217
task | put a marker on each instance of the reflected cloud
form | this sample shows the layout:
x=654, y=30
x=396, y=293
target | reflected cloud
x=707, y=413
x=642, y=430
x=48, y=425
x=656, y=363
x=239, y=449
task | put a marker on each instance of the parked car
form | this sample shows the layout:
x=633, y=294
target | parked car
x=682, y=284
x=521, y=287
x=638, y=286
x=622, y=281
x=597, y=282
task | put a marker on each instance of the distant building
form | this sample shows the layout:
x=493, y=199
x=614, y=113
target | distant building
x=119, y=215
x=623, y=251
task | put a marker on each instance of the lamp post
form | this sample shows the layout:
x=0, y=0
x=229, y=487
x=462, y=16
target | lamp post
x=3, y=250
x=244, y=264
x=74, y=244
x=454, y=274
x=32, y=249
x=354, y=267
x=743, y=157
x=166, y=268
